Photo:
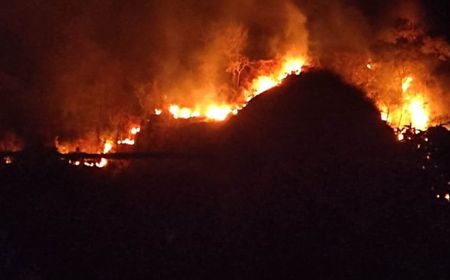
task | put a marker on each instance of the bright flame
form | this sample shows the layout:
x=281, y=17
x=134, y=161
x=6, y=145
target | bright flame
x=262, y=84
x=291, y=66
x=413, y=111
x=218, y=113
x=107, y=147
x=213, y=112
x=135, y=130
x=384, y=114
x=126, y=141
x=130, y=140
x=102, y=163
x=183, y=112
x=406, y=83
x=270, y=75
x=418, y=113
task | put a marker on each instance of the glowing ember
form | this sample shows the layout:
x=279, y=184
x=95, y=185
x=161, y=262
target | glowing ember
x=8, y=160
x=157, y=112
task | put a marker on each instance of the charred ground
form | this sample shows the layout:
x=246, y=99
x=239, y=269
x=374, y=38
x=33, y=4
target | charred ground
x=304, y=182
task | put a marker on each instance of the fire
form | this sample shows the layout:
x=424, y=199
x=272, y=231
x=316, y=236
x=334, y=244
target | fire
x=135, y=130
x=418, y=113
x=267, y=77
x=8, y=160
x=130, y=140
x=406, y=83
x=218, y=113
x=413, y=111
x=292, y=65
x=259, y=84
x=384, y=114
x=102, y=163
x=262, y=84
x=183, y=112
x=107, y=147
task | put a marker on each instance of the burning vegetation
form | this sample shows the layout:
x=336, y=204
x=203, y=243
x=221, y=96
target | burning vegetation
x=226, y=139
x=190, y=67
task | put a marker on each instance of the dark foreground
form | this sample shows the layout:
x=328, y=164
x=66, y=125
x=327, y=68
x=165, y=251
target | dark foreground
x=288, y=193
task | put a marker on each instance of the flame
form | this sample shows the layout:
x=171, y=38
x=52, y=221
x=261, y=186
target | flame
x=135, y=130
x=291, y=66
x=107, y=147
x=102, y=163
x=266, y=78
x=406, y=83
x=214, y=112
x=413, y=111
x=130, y=140
x=262, y=84
x=8, y=160
x=183, y=112
x=418, y=113
x=384, y=113
x=218, y=113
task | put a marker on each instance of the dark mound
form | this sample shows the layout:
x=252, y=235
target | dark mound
x=311, y=115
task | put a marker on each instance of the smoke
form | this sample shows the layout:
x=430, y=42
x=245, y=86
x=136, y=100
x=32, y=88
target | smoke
x=70, y=69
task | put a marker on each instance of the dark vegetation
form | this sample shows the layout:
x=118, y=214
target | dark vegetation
x=306, y=182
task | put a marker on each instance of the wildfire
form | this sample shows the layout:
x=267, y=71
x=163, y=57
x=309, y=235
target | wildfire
x=130, y=139
x=418, y=113
x=107, y=147
x=183, y=112
x=413, y=112
x=262, y=84
x=406, y=84
x=214, y=112
x=218, y=113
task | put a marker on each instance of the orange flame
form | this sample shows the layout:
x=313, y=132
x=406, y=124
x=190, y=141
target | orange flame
x=214, y=112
